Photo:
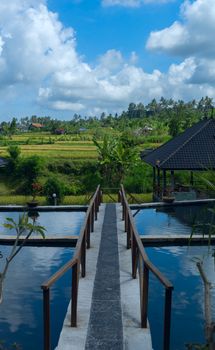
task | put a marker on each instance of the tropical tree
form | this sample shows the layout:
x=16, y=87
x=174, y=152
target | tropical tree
x=115, y=159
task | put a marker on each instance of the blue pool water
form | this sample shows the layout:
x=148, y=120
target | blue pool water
x=174, y=220
x=21, y=310
x=21, y=317
x=188, y=320
x=178, y=264
x=56, y=223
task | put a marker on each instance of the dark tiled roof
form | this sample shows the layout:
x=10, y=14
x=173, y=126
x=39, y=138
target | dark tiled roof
x=194, y=149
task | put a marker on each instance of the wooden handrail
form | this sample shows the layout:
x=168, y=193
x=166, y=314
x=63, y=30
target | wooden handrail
x=78, y=261
x=141, y=262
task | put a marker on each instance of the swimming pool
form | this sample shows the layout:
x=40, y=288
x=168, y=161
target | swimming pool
x=21, y=316
x=178, y=264
x=188, y=319
x=56, y=223
x=176, y=220
x=21, y=312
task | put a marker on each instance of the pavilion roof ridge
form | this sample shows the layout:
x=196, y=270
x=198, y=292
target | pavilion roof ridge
x=186, y=141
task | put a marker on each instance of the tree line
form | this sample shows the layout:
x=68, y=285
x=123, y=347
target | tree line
x=175, y=115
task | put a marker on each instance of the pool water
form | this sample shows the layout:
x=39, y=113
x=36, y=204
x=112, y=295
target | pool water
x=178, y=264
x=21, y=312
x=188, y=317
x=56, y=223
x=175, y=220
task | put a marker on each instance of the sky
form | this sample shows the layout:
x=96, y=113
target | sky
x=60, y=57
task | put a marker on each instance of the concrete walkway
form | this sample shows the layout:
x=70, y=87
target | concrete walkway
x=108, y=304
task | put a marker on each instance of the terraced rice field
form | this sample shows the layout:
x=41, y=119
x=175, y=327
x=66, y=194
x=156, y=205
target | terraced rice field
x=51, y=147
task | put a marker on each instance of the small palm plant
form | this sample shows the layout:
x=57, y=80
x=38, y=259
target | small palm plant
x=24, y=229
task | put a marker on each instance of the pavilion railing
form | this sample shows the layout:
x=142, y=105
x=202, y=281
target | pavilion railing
x=141, y=262
x=76, y=264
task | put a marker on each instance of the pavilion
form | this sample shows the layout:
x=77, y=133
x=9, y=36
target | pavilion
x=192, y=150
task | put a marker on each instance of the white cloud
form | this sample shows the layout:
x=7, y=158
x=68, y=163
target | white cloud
x=35, y=43
x=192, y=39
x=133, y=58
x=111, y=60
x=132, y=3
x=194, y=35
x=38, y=56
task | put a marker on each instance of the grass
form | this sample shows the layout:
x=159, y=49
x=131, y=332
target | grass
x=68, y=200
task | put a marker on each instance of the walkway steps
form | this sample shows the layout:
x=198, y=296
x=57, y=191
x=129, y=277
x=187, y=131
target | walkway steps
x=108, y=299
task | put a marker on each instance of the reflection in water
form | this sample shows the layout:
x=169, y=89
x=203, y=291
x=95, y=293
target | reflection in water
x=55, y=223
x=188, y=320
x=171, y=220
x=21, y=309
x=179, y=265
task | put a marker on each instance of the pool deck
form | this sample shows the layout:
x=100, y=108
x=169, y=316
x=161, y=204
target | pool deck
x=48, y=241
x=174, y=204
x=175, y=240
x=24, y=208
x=108, y=299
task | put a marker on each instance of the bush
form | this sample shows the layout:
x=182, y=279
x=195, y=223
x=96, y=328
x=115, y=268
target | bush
x=53, y=185
x=14, y=154
x=139, y=180
x=31, y=168
x=91, y=181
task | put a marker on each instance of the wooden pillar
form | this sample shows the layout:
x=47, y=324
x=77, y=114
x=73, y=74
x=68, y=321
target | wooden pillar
x=172, y=181
x=191, y=179
x=154, y=184
x=158, y=182
x=164, y=183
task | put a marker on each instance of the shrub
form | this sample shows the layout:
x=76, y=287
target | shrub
x=31, y=168
x=139, y=179
x=53, y=185
x=14, y=153
x=91, y=181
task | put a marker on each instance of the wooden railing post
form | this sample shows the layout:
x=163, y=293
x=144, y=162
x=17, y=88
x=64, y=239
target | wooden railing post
x=123, y=209
x=167, y=318
x=74, y=296
x=134, y=255
x=92, y=217
x=46, y=319
x=119, y=197
x=96, y=207
x=129, y=234
x=83, y=257
x=88, y=232
x=145, y=290
x=126, y=219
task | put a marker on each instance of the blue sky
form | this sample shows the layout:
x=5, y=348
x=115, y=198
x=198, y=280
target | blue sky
x=126, y=29
x=63, y=57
